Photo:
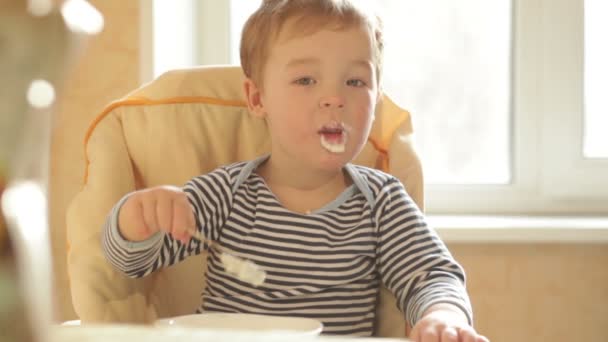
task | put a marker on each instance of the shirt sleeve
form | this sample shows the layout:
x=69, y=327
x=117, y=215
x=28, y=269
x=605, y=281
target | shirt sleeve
x=209, y=195
x=414, y=263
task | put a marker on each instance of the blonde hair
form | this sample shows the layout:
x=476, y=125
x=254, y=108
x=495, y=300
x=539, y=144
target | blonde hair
x=265, y=24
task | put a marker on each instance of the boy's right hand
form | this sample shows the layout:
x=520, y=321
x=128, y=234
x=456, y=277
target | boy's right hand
x=162, y=208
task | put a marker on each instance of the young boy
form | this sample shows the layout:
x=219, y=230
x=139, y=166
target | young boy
x=326, y=232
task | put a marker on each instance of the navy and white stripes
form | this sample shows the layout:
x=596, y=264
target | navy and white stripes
x=326, y=265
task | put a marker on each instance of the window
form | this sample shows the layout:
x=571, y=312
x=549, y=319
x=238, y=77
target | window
x=596, y=74
x=173, y=44
x=503, y=94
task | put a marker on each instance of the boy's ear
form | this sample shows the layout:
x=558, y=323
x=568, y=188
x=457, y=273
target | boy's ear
x=254, y=98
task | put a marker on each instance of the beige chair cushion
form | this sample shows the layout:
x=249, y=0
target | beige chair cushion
x=185, y=123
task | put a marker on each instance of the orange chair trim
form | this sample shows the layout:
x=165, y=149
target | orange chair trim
x=383, y=154
x=138, y=101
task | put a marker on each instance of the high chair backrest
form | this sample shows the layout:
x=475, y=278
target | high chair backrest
x=182, y=124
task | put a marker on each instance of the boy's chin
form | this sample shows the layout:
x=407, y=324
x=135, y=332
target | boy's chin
x=334, y=160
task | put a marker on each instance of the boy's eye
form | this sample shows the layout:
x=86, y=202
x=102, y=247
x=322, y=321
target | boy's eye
x=355, y=83
x=304, y=81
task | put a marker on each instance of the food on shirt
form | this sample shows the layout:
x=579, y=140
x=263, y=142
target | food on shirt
x=244, y=270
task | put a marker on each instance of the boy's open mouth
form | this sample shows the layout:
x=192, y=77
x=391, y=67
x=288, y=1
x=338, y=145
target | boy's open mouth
x=333, y=138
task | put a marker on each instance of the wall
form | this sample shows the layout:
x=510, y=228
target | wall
x=555, y=293
x=519, y=292
x=107, y=69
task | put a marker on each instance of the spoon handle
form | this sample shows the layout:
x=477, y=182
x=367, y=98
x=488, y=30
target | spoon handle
x=195, y=234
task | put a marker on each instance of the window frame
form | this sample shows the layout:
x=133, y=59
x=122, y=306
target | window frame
x=568, y=173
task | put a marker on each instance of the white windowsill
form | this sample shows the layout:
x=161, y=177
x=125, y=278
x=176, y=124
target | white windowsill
x=520, y=229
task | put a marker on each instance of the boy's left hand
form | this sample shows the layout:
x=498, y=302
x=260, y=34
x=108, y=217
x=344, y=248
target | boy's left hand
x=445, y=323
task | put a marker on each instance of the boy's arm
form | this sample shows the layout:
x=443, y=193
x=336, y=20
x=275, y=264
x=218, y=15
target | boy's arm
x=414, y=263
x=209, y=200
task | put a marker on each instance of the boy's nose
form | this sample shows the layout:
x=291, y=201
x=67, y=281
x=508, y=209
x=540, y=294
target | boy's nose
x=332, y=101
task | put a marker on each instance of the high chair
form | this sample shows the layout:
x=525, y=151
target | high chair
x=182, y=124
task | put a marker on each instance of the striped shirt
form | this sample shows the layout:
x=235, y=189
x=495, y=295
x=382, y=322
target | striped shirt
x=325, y=265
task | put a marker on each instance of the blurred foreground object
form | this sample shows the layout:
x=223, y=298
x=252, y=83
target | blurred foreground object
x=38, y=39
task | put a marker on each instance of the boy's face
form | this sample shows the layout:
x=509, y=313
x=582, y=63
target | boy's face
x=319, y=95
